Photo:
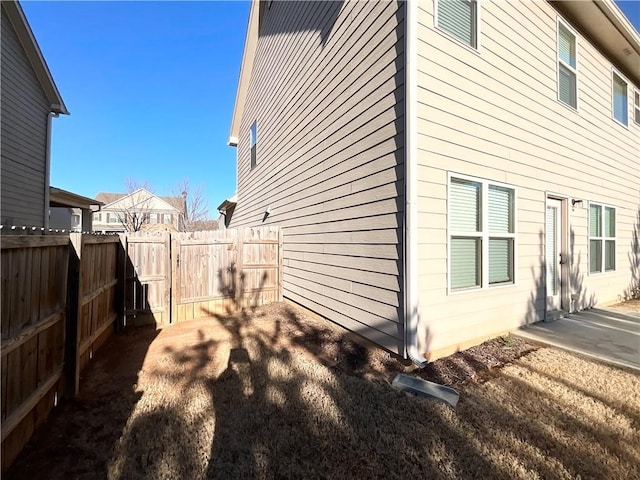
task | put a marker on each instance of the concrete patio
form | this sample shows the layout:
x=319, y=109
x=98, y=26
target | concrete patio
x=606, y=334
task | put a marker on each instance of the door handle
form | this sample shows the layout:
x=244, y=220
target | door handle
x=562, y=260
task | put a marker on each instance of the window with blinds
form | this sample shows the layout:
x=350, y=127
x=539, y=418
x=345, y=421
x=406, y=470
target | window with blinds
x=254, y=144
x=636, y=107
x=459, y=18
x=567, y=65
x=619, y=100
x=602, y=238
x=481, y=234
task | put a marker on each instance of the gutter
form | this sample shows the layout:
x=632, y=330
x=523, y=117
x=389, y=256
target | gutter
x=412, y=347
x=47, y=171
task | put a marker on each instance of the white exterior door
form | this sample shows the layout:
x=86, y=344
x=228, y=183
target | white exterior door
x=553, y=254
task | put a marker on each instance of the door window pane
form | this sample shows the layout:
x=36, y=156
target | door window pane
x=551, y=249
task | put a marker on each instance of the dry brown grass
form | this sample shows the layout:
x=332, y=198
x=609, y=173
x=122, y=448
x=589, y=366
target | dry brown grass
x=279, y=395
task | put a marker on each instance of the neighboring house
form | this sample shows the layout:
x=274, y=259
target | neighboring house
x=443, y=172
x=29, y=99
x=71, y=212
x=139, y=210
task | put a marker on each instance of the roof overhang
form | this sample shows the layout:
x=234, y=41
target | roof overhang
x=228, y=204
x=18, y=20
x=63, y=198
x=604, y=24
x=250, y=45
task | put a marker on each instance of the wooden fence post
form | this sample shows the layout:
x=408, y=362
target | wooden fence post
x=280, y=264
x=239, y=276
x=71, y=361
x=121, y=259
x=174, y=268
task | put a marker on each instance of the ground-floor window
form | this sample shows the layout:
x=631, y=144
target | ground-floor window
x=481, y=224
x=602, y=238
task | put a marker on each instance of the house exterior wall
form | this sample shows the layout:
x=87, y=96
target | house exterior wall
x=327, y=95
x=25, y=111
x=100, y=223
x=61, y=218
x=494, y=114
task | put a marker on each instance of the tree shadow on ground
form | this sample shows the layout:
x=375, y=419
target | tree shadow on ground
x=276, y=411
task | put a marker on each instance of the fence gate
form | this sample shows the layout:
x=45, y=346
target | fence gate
x=147, y=294
x=216, y=272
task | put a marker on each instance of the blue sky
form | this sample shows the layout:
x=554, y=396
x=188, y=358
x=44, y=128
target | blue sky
x=150, y=87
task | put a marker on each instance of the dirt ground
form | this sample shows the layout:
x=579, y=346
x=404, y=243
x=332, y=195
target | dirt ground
x=629, y=305
x=277, y=394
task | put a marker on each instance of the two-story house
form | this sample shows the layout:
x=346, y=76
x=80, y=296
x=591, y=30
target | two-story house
x=137, y=211
x=29, y=99
x=444, y=171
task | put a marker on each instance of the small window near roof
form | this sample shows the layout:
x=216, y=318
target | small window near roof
x=460, y=19
x=636, y=107
x=254, y=144
x=567, y=66
x=619, y=99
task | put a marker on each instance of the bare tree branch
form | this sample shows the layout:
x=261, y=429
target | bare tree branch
x=134, y=213
x=196, y=205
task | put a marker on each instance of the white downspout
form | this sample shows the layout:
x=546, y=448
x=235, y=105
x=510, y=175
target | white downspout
x=412, y=347
x=47, y=170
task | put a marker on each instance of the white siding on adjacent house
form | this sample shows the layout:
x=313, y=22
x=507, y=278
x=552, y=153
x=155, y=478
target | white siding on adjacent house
x=494, y=114
x=24, y=135
x=327, y=93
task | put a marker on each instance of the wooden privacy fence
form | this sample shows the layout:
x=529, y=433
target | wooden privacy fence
x=93, y=300
x=59, y=304
x=172, y=277
x=63, y=296
x=219, y=271
x=34, y=296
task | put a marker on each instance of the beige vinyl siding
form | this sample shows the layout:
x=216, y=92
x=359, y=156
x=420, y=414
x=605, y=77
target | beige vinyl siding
x=24, y=136
x=494, y=114
x=327, y=93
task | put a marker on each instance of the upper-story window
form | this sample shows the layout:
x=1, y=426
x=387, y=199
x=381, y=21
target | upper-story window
x=636, y=107
x=254, y=144
x=460, y=19
x=567, y=65
x=619, y=99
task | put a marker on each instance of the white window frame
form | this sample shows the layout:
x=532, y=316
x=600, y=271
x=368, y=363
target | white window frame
x=561, y=21
x=636, y=107
x=616, y=73
x=603, y=238
x=484, y=235
x=475, y=49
